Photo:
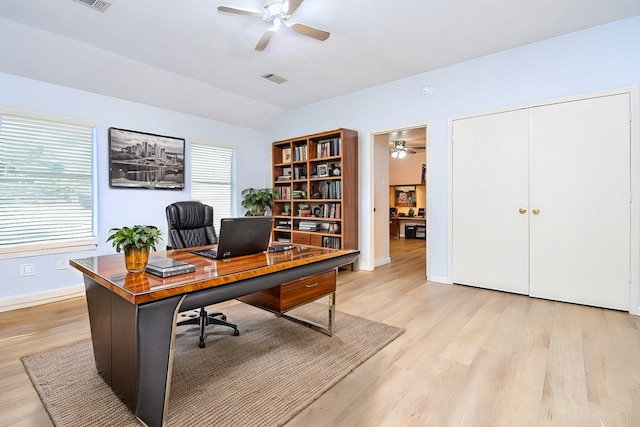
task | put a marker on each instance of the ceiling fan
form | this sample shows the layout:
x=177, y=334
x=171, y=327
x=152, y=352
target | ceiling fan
x=276, y=12
x=399, y=151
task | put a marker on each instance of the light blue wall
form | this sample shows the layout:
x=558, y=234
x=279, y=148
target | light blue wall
x=117, y=207
x=602, y=58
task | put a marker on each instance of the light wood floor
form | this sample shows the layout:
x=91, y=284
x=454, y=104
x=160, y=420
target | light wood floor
x=469, y=357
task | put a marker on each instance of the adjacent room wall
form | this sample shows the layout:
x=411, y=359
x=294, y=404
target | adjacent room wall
x=598, y=59
x=117, y=207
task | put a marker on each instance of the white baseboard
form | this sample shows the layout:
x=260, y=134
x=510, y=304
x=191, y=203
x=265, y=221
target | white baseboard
x=39, y=298
x=438, y=279
x=382, y=261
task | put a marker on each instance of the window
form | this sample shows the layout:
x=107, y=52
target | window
x=46, y=184
x=213, y=177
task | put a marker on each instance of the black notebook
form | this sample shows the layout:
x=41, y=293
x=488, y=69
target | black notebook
x=165, y=267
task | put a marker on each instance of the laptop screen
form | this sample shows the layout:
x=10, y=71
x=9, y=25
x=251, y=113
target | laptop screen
x=241, y=236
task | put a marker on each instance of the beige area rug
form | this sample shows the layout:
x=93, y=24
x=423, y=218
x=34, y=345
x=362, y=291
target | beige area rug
x=263, y=377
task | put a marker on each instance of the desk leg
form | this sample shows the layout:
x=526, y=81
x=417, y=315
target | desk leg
x=156, y=340
x=133, y=349
x=328, y=329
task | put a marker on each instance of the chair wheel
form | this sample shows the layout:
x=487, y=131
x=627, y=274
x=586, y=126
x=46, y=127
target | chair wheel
x=202, y=344
x=236, y=332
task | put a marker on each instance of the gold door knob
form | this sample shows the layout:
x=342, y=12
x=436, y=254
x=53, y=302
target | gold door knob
x=522, y=211
x=536, y=211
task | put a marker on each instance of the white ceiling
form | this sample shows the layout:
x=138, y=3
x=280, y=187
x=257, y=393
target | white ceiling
x=209, y=57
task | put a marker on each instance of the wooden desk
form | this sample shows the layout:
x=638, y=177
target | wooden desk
x=133, y=316
x=397, y=221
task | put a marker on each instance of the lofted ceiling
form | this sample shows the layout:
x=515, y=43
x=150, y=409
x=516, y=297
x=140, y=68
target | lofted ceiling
x=186, y=56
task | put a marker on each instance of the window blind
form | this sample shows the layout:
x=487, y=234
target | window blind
x=46, y=184
x=213, y=174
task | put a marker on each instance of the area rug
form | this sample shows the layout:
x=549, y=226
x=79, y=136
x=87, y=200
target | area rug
x=264, y=377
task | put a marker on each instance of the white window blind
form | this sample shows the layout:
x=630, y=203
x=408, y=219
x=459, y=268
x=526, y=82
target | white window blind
x=46, y=184
x=213, y=175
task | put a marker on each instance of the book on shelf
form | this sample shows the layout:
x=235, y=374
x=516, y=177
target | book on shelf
x=308, y=226
x=328, y=147
x=284, y=193
x=300, y=153
x=331, y=242
x=300, y=172
x=283, y=224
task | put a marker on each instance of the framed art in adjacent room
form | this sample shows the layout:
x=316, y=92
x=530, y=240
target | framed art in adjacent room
x=145, y=160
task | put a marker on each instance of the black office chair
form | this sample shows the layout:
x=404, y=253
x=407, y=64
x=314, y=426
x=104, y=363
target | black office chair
x=191, y=224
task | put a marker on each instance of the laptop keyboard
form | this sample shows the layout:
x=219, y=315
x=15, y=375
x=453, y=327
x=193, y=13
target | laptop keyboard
x=209, y=253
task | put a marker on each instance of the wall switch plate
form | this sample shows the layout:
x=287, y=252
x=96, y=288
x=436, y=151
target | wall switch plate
x=27, y=269
x=62, y=264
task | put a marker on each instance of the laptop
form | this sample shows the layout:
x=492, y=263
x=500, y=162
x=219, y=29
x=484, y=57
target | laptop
x=240, y=236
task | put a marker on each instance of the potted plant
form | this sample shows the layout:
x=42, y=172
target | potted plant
x=258, y=200
x=135, y=242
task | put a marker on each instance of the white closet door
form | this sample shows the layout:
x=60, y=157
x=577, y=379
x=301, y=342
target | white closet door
x=580, y=182
x=490, y=186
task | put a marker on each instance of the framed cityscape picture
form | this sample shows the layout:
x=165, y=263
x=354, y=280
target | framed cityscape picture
x=145, y=160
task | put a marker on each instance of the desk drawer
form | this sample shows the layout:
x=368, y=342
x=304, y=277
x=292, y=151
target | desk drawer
x=295, y=293
x=307, y=289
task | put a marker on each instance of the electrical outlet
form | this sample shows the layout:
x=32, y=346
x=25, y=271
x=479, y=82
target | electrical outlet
x=62, y=264
x=27, y=269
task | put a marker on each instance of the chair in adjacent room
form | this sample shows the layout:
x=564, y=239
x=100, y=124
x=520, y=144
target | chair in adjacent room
x=191, y=224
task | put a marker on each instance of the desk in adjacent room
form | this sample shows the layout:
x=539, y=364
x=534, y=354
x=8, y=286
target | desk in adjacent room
x=133, y=316
x=396, y=221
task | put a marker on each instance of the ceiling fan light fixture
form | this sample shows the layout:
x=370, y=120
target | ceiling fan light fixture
x=402, y=154
x=394, y=154
x=276, y=10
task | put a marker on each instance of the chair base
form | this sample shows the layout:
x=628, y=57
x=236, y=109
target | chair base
x=204, y=319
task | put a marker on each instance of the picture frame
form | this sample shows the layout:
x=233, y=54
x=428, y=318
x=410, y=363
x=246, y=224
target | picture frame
x=145, y=160
x=286, y=155
x=322, y=170
x=405, y=196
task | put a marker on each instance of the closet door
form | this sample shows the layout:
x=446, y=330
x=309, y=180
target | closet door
x=490, y=202
x=580, y=183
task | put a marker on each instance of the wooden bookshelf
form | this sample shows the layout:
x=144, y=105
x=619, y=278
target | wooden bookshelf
x=317, y=179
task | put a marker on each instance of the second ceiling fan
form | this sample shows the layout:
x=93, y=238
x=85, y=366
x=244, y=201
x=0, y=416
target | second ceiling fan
x=277, y=12
x=399, y=151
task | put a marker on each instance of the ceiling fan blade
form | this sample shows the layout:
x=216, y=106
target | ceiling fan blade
x=410, y=151
x=264, y=40
x=226, y=9
x=310, y=31
x=293, y=6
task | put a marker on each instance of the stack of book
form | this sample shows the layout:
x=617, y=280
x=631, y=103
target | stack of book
x=283, y=224
x=307, y=226
x=167, y=267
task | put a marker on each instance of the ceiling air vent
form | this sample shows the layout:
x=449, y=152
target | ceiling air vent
x=274, y=78
x=99, y=5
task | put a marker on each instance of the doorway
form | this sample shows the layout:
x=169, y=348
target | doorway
x=406, y=170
